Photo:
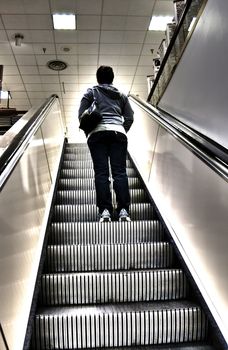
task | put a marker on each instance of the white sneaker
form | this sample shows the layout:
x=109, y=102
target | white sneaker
x=123, y=215
x=105, y=216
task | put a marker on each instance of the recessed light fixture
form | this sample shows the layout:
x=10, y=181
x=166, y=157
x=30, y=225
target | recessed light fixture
x=64, y=21
x=5, y=95
x=160, y=22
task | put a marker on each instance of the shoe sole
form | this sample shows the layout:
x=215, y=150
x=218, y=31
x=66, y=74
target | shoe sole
x=124, y=219
x=105, y=220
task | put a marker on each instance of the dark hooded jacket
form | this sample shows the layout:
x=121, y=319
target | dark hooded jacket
x=113, y=105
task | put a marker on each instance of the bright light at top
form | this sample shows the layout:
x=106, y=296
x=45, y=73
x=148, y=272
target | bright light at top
x=160, y=22
x=64, y=21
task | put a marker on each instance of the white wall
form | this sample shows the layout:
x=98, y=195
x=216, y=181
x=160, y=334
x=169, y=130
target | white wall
x=197, y=92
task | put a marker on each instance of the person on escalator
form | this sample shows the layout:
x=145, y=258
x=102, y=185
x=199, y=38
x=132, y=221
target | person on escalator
x=108, y=144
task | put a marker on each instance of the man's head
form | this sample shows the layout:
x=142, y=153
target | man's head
x=105, y=75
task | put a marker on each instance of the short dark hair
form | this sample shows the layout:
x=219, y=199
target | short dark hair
x=105, y=75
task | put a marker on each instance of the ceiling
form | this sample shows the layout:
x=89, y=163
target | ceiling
x=109, y=32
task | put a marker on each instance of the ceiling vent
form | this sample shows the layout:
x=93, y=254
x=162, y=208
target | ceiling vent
x=57, y=65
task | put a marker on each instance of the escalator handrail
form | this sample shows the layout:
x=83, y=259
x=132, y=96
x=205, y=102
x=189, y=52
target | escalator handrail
x=15, y=149
x=213, y=154
x=169, y=48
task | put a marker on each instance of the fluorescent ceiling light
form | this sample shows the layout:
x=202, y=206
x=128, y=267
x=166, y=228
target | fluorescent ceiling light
x=5, y=95
x=64, y=21
x=159, y=22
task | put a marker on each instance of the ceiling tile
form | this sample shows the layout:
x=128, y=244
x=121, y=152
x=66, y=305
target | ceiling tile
x=133, y=37
x=5, y=49
x=146, y=61
x=87, y=7
x=69, y=59
x=34, y=87
x=87, y=79
x=110, y=49
x=52, y=79
x=66, y=6
x=108, y=60
x=51, y=87
x=10, y=70
x=87, y=60
x=72, y=70
x=128, y=60
x=146, y=51
x=154, y=37
x=30, y=70
x=15, y=21
x=87, y=70
x=3, y=36
x=88, y=22
x=141, y=8
x=39, y=36
x=72, y=79
x=144, y=70
x=88, y=36
x=125, y=70
x=117, y=7
x=62, y=36
x=67, y=49
x=24, y=49
x=110, y=37
x=44, y=48
x=35, y=79
x=7, y=60
x=131, y=49
x=12, y=6
x=26, y=60
x=19, y=94
x=42, y=60
x=88, y=49
x=113, y=23
x=10, y=79
x=37, y=6
x=164, y=8
x=45, y=70
x=36, y=94
x=16, y=87
x=137, y=23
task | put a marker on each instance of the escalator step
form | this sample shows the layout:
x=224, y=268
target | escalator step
x=105, y=257
x=85, y=213
x=119, y=325
x=105, y=233
x=69, y=183
x=115, y=287
x=89, y=197
x=88, y=172
x=79, y=164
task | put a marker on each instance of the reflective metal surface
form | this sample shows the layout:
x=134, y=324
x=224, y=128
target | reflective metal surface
x=193, y=200
x=23, y=217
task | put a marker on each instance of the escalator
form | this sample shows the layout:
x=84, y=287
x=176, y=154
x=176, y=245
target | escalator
x=115, y=284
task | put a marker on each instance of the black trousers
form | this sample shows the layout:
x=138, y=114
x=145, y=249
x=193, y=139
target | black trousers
x=110, y=147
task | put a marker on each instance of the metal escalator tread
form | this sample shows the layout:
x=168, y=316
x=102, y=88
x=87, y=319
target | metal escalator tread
x=121, y=324
x=113, y=232
x=114, y=284
x=89, y=197
x=85, y=213
x=112, y=287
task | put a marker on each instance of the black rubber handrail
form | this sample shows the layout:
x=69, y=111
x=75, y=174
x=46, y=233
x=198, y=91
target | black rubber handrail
x=215, y=155
x=20, y=141
x=169, y=48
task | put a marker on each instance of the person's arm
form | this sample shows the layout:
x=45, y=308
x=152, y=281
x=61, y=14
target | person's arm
x=128, y=115
x=86, y=102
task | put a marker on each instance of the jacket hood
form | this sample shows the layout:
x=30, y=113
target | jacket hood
x=109, y=90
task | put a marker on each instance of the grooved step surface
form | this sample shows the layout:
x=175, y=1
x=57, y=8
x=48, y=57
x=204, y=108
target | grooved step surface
x=146, y=324
x=79, y=164
x=89, y=197
x=69, y=167
x=98, y=257
x=107, y=232
x=115, y=287
x=67, y=182
x=85, y=213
